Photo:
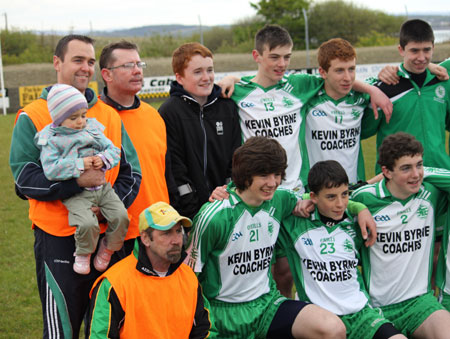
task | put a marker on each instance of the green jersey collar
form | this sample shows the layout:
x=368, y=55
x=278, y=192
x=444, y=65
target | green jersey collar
x=248, y=81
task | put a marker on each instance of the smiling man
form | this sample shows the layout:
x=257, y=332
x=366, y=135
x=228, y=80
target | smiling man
x=122, y=72
x=64, y=293
x=202, y=129
x=397, y=268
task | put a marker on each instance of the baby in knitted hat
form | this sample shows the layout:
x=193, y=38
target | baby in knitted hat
x=70, y=145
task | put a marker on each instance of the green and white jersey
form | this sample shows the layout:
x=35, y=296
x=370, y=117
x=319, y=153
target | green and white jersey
x=436, y=177
x=275, y=112
x=333, y=132
x=323, y=260
x=231, y=246
x=399, y=265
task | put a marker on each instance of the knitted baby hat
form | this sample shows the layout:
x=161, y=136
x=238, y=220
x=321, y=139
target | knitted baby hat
x=62, y=101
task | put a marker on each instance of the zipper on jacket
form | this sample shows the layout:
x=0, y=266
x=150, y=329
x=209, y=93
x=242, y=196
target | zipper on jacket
x=205, y=145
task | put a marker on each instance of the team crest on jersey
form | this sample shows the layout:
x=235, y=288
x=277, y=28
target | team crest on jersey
x=422, y=212
x=356, y=114
x=440, y=91
x=287, y=102
x=440, y=94
x=348, y=246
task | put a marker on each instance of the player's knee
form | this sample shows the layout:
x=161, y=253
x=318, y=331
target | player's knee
x=315, y=322
x=333, y=327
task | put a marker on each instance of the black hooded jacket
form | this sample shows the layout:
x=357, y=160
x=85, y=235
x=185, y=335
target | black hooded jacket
x=201, y=142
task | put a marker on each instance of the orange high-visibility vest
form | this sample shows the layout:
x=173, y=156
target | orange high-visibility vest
x=52, y=216
x=147, y=131
x=155, y=307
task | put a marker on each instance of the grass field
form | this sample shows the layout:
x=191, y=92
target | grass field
x=19, y=299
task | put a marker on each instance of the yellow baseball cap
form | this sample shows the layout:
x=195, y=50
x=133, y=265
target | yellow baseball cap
x=161, y=216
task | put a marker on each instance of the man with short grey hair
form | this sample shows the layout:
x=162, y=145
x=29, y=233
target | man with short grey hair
x=122, y=72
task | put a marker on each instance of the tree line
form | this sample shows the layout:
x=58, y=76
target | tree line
x=326, y=20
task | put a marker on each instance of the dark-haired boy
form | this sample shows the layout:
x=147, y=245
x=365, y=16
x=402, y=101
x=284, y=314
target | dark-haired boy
x=323, y=252
x=421, y=101
x=397, y=268
x=232, y=247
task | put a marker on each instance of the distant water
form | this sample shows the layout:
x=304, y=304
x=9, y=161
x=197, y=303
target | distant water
x=441, y=35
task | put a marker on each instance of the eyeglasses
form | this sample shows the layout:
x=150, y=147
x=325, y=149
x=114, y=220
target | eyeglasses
x=130, y=65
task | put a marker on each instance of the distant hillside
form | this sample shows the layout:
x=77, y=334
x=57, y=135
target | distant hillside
x=142, y=31
x=145, y=31
x=438, y=22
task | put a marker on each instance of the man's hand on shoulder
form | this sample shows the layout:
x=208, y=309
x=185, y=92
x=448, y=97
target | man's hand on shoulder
x=439, y=71
x=389, y=75
x=227, y=85
x=219, y=193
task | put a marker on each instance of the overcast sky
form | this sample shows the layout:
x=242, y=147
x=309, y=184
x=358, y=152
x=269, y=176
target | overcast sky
x=112, y=14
